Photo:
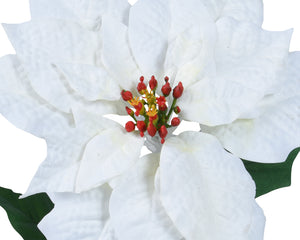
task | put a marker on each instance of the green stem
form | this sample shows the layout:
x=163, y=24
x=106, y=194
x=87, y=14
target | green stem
x=134, y=118
x=171, y=109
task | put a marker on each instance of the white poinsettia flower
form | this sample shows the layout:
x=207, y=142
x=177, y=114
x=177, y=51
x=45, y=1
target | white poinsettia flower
x=240, y=83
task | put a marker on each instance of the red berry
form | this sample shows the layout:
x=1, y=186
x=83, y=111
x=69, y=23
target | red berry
x=166, y=89
x=126, y=95
x=129, y=111
x=130, y=126
x=163, y=107
x=178, y=90
x=151, y=129
x=141, y=126
x=153, y=83
x=161, y=100
x=141, y=86
x=175, y=122
x=177, y=110
x=163, y=132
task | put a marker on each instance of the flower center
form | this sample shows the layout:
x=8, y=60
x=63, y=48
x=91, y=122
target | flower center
x=150, y=111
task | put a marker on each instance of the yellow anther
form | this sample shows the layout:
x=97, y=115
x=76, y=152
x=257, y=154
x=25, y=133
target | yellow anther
x=152, y=112
x=135, y=101
x=151, y=99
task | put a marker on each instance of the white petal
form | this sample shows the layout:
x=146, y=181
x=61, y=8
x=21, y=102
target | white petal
x=59, y=170
x=93, y=83
x=57, y=40
x=248, y=55
x=135, y=208
x=21, y=105
x=77, y=216
x=257, y=228
x=119, y=9
x=148, y=34
x=248, y=60
x=108, y=232
x=107, y=155
x=88, y=13
x=191, y=41
x=246, y=10
x=65, y=147
x=212, y=187
x=41, y=44
x=268, y=138
x=116, y=55
x=274, y=132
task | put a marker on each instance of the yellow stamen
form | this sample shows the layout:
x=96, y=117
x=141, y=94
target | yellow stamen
x=152, y=112
x=135, y=101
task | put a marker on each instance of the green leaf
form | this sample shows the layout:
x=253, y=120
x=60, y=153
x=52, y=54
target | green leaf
x=271, y=176
x=25, y=214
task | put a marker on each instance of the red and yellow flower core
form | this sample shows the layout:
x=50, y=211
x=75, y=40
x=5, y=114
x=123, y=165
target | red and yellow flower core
x=150, y=111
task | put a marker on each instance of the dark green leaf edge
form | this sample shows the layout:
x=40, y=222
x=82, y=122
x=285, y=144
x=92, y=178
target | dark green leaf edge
x=271, y=176
x=25, y=214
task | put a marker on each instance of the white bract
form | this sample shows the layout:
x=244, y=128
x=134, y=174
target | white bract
x=241, y=84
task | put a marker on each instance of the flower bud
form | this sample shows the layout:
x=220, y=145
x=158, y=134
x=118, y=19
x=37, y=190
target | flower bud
x=175, y=122
x=141, y=86
x=139, y=109
x=166, y=89
x=141, y=125
x=151, y=129
x=126, y=95
x=163, y=132
x=153, y=83
x=162, y=107
x=129, y=111
x=130, y=126
x=177, y=110
x=178, y=90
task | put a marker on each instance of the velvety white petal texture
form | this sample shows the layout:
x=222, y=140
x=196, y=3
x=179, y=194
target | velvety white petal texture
x=116, y=53
x=77, y=216
x=149, y=23
x=91, y=82
x=108, y=232
x=135, y=208
x=205, y=190
x=42, y=44
x=107, y=155
x=248, y=60
x=191, y=42
x=21, y=105
x=257, y=228
x=66, y=145
x=246, y=10
x=272, y=135
x=88, y=13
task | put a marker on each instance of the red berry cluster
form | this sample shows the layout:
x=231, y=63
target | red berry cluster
x=150, y=112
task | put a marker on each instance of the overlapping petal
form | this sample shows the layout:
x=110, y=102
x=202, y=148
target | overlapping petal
x=248, y=60
x=115, y=43
x=246, y=10
x=149, y=23
x=107, y=155
x=77, y=216
x=274, y=133
x=87, y=13
x=41, y=45
x=147, y=219
x=213, y=189
x=191, y=43
x=22, y=106
x=91, y=82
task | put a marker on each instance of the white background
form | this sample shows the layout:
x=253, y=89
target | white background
x=21, y=153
